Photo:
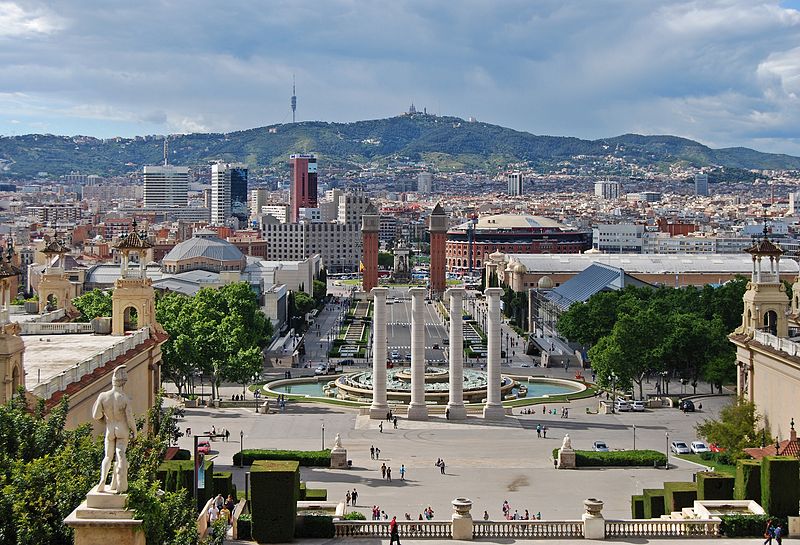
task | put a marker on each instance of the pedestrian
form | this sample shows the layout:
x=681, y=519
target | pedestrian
x=383, y=471
x=768, y=533
x=380, y=426
x=699, y=406
x=227, y=434
x=347, y=498
x=394, y=534
x=377, y=453
x=778, y=534
x=544, y=409
x=486, y=515
x=372, y=452
x=441, y=467
x=402, y=472
x=544, y=432
x=389, y=473
x=447, y=414
x=538, y=430
x=395, y=422
x=354, y=497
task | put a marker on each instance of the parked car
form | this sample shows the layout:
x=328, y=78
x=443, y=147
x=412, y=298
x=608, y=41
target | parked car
x=637, y=405
x=600, y=446
x=346, y=362
x=203, y=447
x=679, y=447
x=621, y=405
x=713, y=447
x=325, y=370
x=698, y=447
x=686, y=406
x=436, y=347
x=395, y=355
x=407, y=357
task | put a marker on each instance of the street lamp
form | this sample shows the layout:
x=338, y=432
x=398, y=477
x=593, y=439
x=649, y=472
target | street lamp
x=613, y=379
x=241, y=447
x=197, y=464
x=634, y=437
x=666, y=434
x=323, y=436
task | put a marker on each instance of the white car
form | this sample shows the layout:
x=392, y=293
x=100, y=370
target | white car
x=395, y=355
x=600, y=446
x=698, y=447
x=637, y=405
x=679, y=447
x=621, y=405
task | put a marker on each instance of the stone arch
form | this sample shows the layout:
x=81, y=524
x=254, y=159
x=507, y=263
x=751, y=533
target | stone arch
x=130, y=317
x=16, y=379
x=771, y=322
x=51, y=301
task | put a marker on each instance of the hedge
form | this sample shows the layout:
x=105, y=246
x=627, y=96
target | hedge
x=179, y=474
x=748, y=481
x=274, y=488
x=314, y=526
x=307, y=458
x=223, y=484
x=244, y=526
x=748, y=525
x=780, y=485
x=617, y=458
x=714, y=486
x=678, y=495
x=182, y=454
x=316, y=494
x=355, y=515
x=653, y=502
x=637, y=507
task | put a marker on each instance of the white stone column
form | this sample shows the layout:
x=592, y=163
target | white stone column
x=455, y=404
x=379, y=407
x=417, y=410
x=494, y=408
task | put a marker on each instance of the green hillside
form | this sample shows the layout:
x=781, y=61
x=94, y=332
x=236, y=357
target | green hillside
x=446, y=143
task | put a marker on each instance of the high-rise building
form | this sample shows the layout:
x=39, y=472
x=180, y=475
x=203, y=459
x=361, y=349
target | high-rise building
x=228, y=192
x=166, y=185
x=303, y=192
x=515, y=183
x=701, y=184
x=607, y=190
x=425, y=183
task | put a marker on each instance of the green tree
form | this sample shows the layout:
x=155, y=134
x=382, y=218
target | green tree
x=320, y=291
x=385, y=260
x=93, y=304
x=736, y=428
x=588, y=322
x=303, y=303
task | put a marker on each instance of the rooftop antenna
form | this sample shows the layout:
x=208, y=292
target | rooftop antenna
x=166, y=150
x=294, y=99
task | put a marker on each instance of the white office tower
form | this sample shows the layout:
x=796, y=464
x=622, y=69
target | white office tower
x=228, y=180
x=515, y=181
x=794, y=202
x=424, y=183
x=166, y=185
x=701, y=184
x=607, y=190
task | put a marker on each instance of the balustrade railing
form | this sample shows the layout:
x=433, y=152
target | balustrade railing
x=662, y=528
x=527, y=528
x=416, y=529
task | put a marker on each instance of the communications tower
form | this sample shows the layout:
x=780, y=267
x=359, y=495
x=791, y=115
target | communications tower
x=294, y=99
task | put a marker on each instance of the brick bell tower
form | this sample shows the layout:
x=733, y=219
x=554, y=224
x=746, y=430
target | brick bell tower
x=437, y=227
x=370, y=229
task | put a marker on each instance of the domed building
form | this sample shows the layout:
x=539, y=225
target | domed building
x=205, y=251
x=473, y=242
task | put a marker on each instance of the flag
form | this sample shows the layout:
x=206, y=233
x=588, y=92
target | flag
x=361, y=266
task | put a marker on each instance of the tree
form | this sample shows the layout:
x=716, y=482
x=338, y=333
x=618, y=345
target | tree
x=320, y=291
x=736, y=428
x=588, y=322
x=323, y=275
x=303, y=303
x=93, y=304
x=385, y=260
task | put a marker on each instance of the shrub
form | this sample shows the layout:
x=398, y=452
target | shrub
x=175, y=475
x=748, y=480
x=653, y=502
x=780, y=485
x=678, y=495
x=316, y=494
x=274, y=487
x=307, y=458
x=714, y=486
x=588, y=458
x=182, y=454
x=314, y=526
x=637, y=507
x=355, y=515
x=747, y=525
x=223, y=484
x=244, y=526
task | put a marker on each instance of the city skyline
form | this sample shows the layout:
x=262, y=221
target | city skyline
x=724, y=73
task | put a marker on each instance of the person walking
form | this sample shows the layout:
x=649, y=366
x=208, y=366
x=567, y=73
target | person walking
x=544, y=432
x=354, y=497
x=394, y=534
x=389, y=473
x=538, y=430
x=769, y=532
x=383, y=471
x=347, y=498
x=778, y=534
x=402, y=472
x=486, y=515
x=441, y=467
x=377, y=453
x=372, y=452
x=394, y=420
x=380, y=426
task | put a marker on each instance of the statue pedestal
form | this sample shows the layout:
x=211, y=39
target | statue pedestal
x=566, y=458
x=339, y=458
x=102, y=518
x=594, y=525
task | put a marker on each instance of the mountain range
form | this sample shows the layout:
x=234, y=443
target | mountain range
x=443, y=143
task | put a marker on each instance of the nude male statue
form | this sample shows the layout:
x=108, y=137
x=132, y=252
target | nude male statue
x=115, y=407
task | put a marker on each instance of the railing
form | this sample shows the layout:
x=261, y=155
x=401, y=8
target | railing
x=55, y=328
x=784, y=345
x=662, y=528
x=45, y=390
x=412, y=529
x=527, y=528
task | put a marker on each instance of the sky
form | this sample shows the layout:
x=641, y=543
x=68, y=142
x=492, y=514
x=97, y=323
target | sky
x=723, y=72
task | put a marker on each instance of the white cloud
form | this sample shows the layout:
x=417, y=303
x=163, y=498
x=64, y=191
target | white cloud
x=17, y=22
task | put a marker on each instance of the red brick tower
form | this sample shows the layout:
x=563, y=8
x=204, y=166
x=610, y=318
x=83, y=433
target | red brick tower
x=370, y=229
x=437, y=227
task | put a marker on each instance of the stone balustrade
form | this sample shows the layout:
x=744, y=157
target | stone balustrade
x=55, y=328
x=527, y=528
x=46, y=389
x=662, y=528
x=52, y=316
x=778, y=343
x=412, y=529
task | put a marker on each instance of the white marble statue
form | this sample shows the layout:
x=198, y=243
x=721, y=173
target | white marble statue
x=567, y=444
x=114, y=406
x=337, y=442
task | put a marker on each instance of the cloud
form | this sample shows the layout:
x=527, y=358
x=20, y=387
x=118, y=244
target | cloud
x=725, y=72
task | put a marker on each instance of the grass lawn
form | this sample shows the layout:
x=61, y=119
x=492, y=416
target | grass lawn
x=716, y=466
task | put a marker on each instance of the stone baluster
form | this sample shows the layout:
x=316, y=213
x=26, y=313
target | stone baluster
x=417, y=410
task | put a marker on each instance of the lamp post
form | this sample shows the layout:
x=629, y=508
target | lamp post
x=666, y=434
x=634, y=437
x=241, y=447
x=198, y=463
x=613, y=379
x=777, y=447
x=323, y=436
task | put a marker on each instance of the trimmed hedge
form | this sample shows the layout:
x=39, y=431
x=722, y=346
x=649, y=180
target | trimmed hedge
x=780, y=485
x=244, y=526
x=306, y=458
x=274, y=488
x=314, y=526
x=653, y=502
x=637, y=507
x=316, y=494
x=748, y=525
x=175, y=475
x=182, y=454
x=223, y=484
x=678, y=495
x=617, y=458
x=748, y=481
x=714, y=486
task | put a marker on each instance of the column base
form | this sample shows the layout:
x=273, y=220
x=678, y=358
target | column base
x=377, y=411
x=494, y=412
x=418, y=411
x=457, y=411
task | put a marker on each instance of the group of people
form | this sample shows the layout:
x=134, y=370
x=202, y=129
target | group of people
x=350, y=498
x=541, y=431
x=221, y=508
x=773, y=531
x=440, y=465
x=374, y=453
x=224, y=433
x=386, y=472
x=508, y=515
x=378, y=514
